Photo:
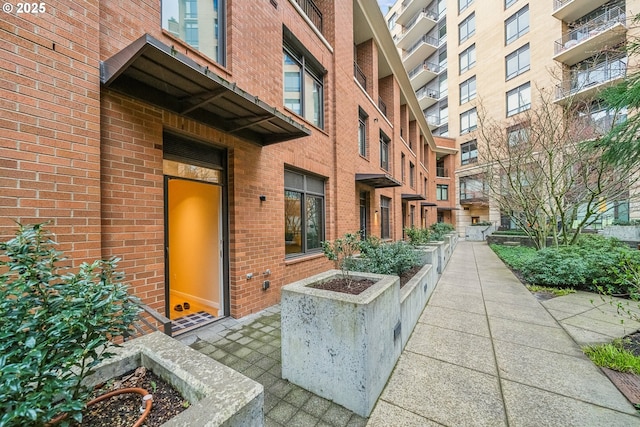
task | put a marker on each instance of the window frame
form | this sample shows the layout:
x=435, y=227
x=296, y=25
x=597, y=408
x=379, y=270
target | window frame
x=362, y=132
x=462, y=7
x=469, y=148
x=412, y=174
x=521, y=107
x=465, y=86
x=465, y=23
x=385, y=217
x=467, y=115
x=508, y=3
x=519, y=31
x=442, y=192
x=467, y=54
x=385, y=143
x=306, y=193
x=517, y=55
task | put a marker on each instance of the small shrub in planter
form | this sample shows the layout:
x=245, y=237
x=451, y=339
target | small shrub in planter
x=439, y=229
x=387, y=258
x=418, y=236
x=55, y=328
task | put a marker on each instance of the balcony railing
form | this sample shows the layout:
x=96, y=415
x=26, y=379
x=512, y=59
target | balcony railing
x=442, y=172
x=312, y=11
x=557, y=4
x=427, y=92
x=592, y=28
x=603, y=72
x=425, y=66
x=429, y=13
x=434, y=120
x=360, y=77
x=424, y=39
x=382, y=106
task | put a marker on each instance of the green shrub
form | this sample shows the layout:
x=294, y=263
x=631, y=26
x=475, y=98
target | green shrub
x=509, y=233
x=418, y=236
x=514, y=256
x=482, y=224
x=341, y=251
x=54, y=327
x=387, y=258
x=439, y=229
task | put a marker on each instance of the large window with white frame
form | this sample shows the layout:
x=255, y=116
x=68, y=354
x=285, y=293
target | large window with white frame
x=516, y=25
x=467, y=28
x=468, y=121
x=467, y=58
x=303, y=213
x=469, y=152
x=519, y=99
x=199, y=23
x=463, y=5
x=518, y=62
x=468, y=90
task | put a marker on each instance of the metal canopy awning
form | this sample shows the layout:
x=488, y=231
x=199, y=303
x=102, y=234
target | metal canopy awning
x=412, y=197
x=149, y=70
x=377, y=180
x=427, y=204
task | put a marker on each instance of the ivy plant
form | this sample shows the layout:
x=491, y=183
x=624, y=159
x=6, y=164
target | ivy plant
x=55, y=327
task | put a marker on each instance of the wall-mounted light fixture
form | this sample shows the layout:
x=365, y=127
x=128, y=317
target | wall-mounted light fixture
x=263, y=198
x=375, y=120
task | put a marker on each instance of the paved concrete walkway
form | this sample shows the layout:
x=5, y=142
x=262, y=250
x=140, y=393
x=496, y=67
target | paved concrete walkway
x=485, y=352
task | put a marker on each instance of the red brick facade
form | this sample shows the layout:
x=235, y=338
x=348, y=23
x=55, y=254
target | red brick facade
x=90, y=160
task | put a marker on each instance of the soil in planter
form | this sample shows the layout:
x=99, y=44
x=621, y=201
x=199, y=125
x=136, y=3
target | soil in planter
x=124, y=410
x=408, y=275
x=353, y=287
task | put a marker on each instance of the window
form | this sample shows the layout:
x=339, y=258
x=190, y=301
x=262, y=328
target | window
x=516, y=25
x=402, y=167
x=508, y=3
x=303, y=85
x=517, y=134
x=385, y=219
x=442, y=192
x=412, y=215
x=362, y=133
x=467, y=58
x=467, y=27
x=392, y=21
x=303, y=213
x=468, y=121
x=467, y=90
x=463, y=4
x=412, y=175
x=199, y=23
x=519, y=99
x=518, y=62
x=469, y=152
x=424, y=187
x=472, y=188
x=384, y=151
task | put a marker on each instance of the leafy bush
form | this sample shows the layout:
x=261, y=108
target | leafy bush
x=341, y=251
x=388, y=258
x=418, y=236
x=509, y=233
x=54, y=328
x=635, y=222
x=439, y=229
x=482, y=224
x=514, y=256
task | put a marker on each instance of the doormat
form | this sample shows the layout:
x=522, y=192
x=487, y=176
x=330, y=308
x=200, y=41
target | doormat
x=191, y=321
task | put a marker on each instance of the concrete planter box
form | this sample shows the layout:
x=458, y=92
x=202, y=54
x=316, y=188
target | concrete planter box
x=442, y=254
x=219, y=396
x=342, y=347
x=626, y=233
x=429, y=255
x=479, y=233
x=413, y=297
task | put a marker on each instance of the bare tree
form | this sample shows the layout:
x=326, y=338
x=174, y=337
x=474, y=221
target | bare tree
x=542, y=168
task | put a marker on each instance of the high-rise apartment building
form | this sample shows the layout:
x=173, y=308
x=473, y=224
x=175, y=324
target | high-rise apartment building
x=463, y=55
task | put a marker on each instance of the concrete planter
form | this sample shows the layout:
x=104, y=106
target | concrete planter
x=342, y=347
x=219, y=396
x=626, y=233
x=429, y=255
x=442, y=254
x=413, y=297
x=479, y=233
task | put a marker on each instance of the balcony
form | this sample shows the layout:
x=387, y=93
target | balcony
x=420, y=24
x=427, y=97
x=423, y=74
x=606, y=30
x=442, y=172
x=382, y=106
x=570, y=10
x=418, y=51
x=408, y=11
x=312, y=11
x=434, y=121
x=586, y=83
x=359, y=75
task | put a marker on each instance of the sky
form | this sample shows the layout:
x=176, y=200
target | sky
x=384, y=5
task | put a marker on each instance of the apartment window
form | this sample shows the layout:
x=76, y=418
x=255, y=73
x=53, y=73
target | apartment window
x=518, y=62
x=469, y=152
x=385, y=219
x=517, y=25
x=467, y=27
x=468, y=90
x=467, y=58
x=424, y=187
x=517, y=135
x=362, y=132
x=303, y=213
x=303, y=85
x=463, y=4
x=468, y=121
x=442, y=192
x=412, y=175
x=508, y=3
x=392, y=21
x=384, y=151
x=519, y=99
x=199, y=23
x=402, y=167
